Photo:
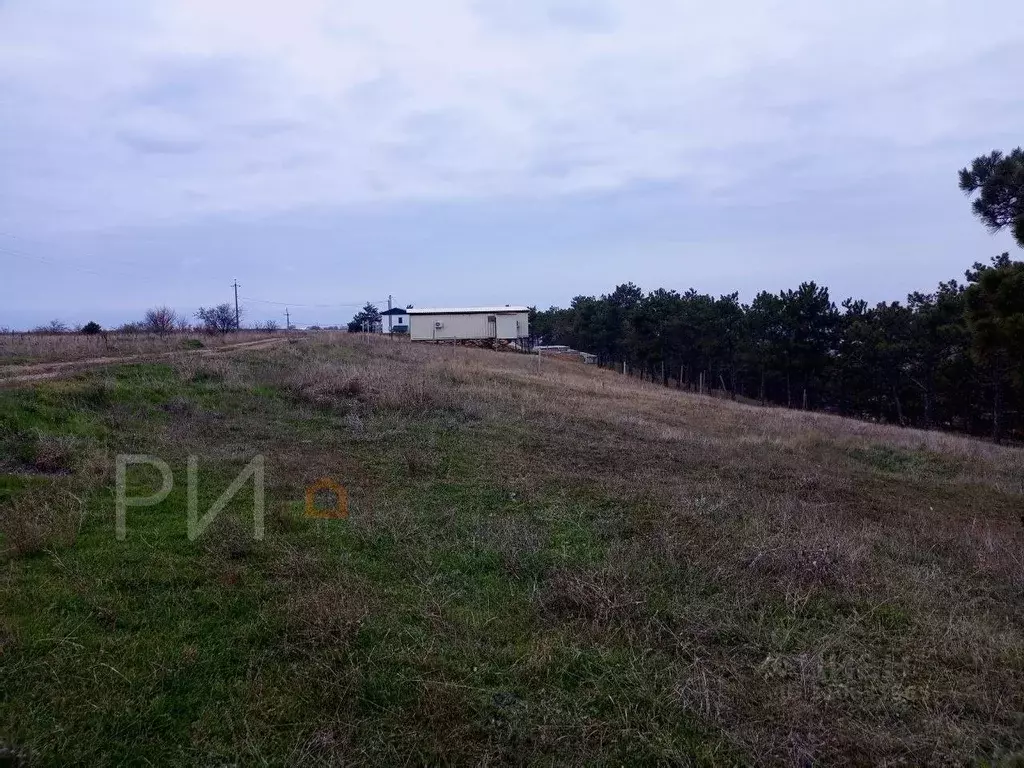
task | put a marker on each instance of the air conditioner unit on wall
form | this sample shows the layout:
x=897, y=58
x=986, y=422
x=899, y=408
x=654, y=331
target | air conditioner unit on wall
x=438, y=324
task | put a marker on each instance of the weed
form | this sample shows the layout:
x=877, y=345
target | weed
x=8, y=638
x=326, y=619
x=206, y=374
x=54, y=454
x=417, y=461
x=34, y=521
x=228, y=538
x=601, y=597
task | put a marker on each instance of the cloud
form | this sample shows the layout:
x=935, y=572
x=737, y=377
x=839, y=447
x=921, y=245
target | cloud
x=519, y=18
x=126, y=113
x=159, y=145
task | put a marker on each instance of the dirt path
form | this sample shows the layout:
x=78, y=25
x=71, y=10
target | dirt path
x=19, y=374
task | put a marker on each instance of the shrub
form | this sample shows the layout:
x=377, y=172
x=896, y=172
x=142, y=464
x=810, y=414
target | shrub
x=91, y=328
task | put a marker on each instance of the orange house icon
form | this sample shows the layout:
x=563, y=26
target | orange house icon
x=323, y=487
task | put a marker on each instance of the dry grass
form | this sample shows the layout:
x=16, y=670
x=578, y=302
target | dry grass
x=34, y=522
x=868, y=580
x=547, y=561
x=31, y=348
x=228, y=538
x=326, y=618
x=53, y=454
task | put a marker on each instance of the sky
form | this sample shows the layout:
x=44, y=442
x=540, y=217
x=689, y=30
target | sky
x=475, y=152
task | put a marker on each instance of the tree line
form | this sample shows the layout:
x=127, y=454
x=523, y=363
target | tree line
x=163, y=320
x=951, y=358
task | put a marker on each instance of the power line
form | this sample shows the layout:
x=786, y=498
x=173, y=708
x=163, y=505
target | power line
x=150, y=278
x=66, y=265
x=72, y=267
x=318, y=306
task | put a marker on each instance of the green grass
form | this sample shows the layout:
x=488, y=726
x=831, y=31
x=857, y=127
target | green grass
x=158, y=649
x=904, y=462
x=491, y=598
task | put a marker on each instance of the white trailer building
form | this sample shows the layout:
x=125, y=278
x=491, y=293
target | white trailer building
x=463, y=323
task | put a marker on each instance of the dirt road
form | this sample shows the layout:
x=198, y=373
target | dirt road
x=20, y=374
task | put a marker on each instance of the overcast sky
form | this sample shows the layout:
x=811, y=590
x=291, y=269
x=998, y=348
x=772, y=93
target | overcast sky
x=475, y=152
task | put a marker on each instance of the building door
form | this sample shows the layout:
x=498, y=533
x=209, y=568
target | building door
x=492, y=327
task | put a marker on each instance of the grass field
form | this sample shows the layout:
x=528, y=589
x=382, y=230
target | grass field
x=541, y=565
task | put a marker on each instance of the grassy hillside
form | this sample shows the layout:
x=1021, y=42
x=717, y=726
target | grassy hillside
x=552, y=564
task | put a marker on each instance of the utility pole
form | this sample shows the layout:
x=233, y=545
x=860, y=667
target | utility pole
x=238, y=324
x=389, y=313
x=287, y=320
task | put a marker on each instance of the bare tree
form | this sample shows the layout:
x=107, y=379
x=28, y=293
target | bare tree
x=268, y=326
x=160, y=320
x=54, y=326
x=219, y=319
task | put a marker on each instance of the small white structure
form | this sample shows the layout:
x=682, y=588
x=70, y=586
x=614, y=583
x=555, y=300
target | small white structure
x=464, y=323
x=394, y=320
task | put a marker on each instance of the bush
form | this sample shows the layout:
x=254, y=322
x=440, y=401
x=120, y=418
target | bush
x=160, y=320
x=91, y=328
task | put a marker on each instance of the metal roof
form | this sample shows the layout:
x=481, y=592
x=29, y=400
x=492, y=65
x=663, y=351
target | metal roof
x=467, y=310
